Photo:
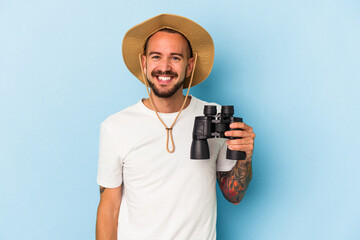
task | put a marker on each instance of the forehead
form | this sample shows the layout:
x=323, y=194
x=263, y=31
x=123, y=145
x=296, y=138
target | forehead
x=164, y=41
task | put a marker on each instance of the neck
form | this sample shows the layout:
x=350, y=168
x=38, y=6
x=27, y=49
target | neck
x=167, y=105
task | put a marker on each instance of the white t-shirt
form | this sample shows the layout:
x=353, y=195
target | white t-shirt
x=165, y=195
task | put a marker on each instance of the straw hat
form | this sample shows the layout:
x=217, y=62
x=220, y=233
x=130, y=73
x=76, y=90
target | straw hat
x=200, y=40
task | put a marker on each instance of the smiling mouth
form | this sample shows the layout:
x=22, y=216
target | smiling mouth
x=164, y=79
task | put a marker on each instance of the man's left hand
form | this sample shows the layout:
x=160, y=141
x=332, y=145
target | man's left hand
x=246, y=143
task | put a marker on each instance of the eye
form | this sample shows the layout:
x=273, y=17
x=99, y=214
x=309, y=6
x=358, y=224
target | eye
x=155, y=57
x=175, y=58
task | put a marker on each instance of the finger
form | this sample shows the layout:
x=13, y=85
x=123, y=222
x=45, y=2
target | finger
x=241, y=125
x=240, y=133
x=242, y=141
x=245, y=148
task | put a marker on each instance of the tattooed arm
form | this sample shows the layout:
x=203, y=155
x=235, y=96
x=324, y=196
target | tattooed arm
x=234, y=183
x=108, y=213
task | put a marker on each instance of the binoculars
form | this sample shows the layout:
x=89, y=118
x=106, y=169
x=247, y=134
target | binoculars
x=213, y=125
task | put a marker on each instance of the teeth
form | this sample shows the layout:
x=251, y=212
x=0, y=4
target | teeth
x=164, y=78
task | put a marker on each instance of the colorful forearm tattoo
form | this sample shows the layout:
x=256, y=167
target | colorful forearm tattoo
x=234, y=183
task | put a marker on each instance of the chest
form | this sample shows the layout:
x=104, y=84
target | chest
x=148, y=165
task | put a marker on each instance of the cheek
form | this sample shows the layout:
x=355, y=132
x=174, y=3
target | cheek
x=186, y=71
x=181, y=69
x=149, y=68
x=152, y=65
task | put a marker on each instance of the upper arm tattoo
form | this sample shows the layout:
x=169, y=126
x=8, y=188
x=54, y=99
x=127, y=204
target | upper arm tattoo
x=102, y=189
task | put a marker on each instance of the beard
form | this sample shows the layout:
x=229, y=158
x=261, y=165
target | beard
x=169, y=93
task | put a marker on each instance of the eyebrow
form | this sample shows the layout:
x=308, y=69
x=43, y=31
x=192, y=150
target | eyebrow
x=176, y=54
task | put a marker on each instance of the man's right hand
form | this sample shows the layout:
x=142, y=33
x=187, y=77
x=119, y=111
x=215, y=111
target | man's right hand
x=108, y=213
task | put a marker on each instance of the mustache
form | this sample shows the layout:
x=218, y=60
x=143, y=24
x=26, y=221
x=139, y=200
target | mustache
x=168, y=73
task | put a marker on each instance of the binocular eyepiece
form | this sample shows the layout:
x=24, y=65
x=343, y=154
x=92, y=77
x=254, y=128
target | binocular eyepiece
x=210, y=110
x=213, y=125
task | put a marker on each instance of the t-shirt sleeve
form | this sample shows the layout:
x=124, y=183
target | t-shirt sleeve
x=110, y=164
x=223, y=164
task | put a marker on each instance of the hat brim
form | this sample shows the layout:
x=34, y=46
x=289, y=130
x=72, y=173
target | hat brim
x=200, y=40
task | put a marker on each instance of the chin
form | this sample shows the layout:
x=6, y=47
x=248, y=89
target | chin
x=171, y=91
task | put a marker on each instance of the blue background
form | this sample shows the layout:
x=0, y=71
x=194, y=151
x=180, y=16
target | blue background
x=291, y=68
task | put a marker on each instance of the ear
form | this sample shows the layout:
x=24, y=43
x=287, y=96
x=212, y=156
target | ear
x=190, y=66
x=143, y=63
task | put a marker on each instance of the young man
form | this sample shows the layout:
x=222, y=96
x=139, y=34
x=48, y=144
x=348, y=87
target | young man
x=149, y=186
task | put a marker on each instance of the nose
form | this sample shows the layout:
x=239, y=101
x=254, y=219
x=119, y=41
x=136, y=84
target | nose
x=164, y=65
